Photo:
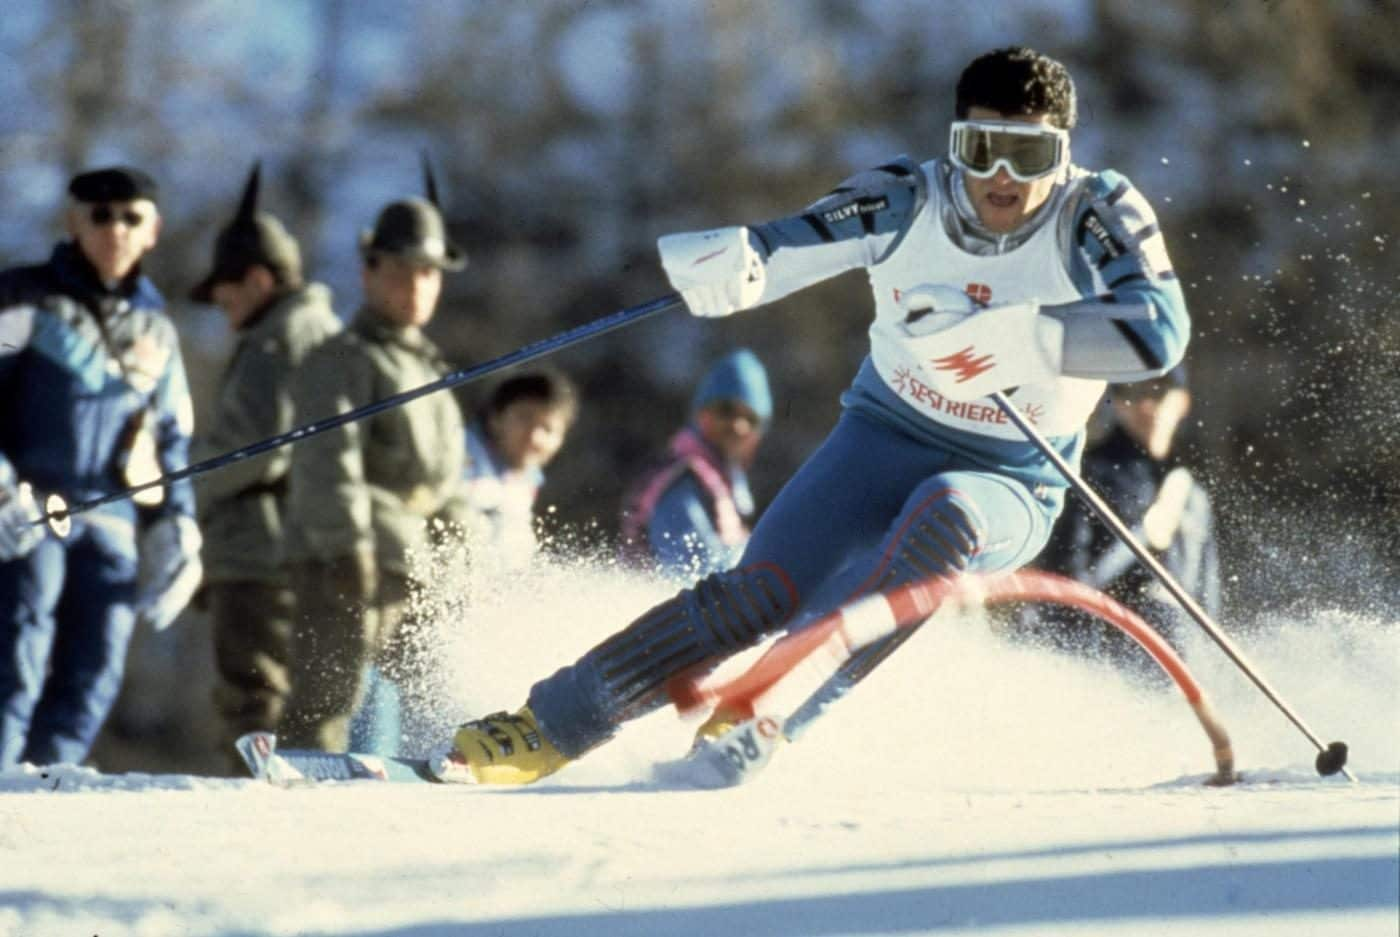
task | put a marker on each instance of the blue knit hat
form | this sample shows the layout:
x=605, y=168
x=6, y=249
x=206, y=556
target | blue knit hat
x=737, y=376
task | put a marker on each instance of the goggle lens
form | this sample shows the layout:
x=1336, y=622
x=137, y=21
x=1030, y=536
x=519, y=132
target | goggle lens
x=1027, y=154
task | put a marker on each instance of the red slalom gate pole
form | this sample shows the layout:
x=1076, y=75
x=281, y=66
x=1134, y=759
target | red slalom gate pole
x=1331, y=757
x=817, y=651
x=1036, y=586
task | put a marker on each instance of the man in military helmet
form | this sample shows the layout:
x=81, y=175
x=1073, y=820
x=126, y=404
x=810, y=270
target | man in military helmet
x=364, y=496
x=277, y=318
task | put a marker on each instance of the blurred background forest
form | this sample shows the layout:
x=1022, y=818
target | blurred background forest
x=569, y=134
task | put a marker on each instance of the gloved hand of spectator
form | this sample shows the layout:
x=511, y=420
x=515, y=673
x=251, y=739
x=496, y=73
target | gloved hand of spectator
x=19, y=513
x=717, y=272
x=170, y=570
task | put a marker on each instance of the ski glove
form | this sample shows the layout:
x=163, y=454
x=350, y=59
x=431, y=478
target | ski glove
x=969, y=356
x=19, y=512
x=170, y=570
x=717, y=272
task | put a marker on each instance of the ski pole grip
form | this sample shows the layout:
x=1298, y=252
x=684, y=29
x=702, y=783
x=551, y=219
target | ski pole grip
x=56, y=515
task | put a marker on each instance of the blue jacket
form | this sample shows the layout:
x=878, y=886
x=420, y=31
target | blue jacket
x=1131, y=322
x=686, y=514
x=80, y=366
x=1082, y=548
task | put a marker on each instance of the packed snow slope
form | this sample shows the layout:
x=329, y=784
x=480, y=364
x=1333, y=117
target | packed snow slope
x=973, y=785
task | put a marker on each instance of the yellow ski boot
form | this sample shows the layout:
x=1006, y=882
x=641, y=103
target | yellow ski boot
x=721, y=721
x=731, y=748
x=501, y=748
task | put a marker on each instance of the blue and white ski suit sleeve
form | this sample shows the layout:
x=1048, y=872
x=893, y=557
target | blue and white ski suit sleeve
x=1132, y=324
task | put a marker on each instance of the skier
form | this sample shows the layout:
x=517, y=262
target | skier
x=256, y=279
x=999, y=267
x=95, y=400
x=688, y=514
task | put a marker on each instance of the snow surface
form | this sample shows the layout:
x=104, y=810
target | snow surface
x=970, y=786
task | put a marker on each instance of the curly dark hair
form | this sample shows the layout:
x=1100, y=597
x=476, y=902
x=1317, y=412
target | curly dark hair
x=1017, y=80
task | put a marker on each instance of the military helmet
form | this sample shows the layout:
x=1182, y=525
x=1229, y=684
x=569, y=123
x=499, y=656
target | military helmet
x=413, y=228
x=252, y=238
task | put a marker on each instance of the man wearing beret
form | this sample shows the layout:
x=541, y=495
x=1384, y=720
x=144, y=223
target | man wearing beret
x=277, y=318
x=95, y=401
x=365, y=496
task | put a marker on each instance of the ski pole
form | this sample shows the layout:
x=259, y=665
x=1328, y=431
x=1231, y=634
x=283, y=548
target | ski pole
x=56, y=514
x=1332, y=757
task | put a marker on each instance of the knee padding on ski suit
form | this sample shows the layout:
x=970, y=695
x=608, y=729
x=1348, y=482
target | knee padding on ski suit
x=623, y=678
x=938, y=538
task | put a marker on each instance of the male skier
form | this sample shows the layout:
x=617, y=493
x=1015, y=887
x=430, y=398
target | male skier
x=998, y=267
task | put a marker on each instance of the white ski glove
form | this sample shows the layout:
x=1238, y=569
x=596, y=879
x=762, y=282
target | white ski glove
x=717, y=272
x=170, y=570
x=19, y=512
x=975, y=354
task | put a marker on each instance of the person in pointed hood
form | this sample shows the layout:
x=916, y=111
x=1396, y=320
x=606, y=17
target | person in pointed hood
x=277, y=317
x=365, y=496
x=253, y=238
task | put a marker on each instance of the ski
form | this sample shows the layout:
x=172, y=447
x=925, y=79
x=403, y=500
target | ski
x=731, y=759
x=293, y=766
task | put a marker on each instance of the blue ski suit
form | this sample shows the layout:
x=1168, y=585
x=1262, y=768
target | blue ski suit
x=83, y=370
x=909, y=484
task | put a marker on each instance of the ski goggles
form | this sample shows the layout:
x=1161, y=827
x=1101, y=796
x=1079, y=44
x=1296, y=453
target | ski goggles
x=1026, y=151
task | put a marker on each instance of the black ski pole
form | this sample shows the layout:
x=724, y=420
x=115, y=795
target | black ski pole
x=1332, y=757
x=57, y=514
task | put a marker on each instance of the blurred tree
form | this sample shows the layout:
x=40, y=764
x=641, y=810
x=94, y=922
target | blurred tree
x=1282, y=242
x=569, y=136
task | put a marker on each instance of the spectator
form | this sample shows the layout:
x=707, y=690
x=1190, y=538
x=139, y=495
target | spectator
x=277, y=318
x=365, y=495
x=688, y=514
x=95, y=401
x=1135, y=470
x=514, y=436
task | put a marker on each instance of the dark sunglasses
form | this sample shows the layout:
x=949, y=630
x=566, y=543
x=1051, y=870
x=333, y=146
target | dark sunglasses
x=105, y=215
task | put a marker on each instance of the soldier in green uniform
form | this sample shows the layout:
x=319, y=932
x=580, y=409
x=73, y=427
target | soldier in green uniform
x=277, y=317
x=366, y=495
